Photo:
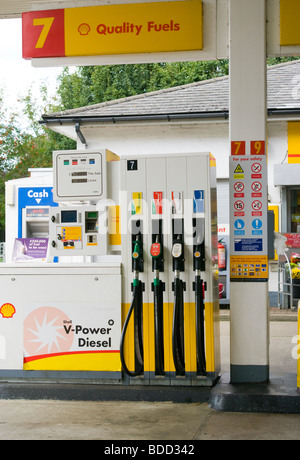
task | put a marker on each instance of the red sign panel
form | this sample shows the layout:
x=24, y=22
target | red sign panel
x=293, y=240
x=258, y=148
x=238, y=148
x=44, y=34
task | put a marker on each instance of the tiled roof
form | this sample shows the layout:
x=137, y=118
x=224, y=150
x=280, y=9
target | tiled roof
x=284, y=86
x=200, y=97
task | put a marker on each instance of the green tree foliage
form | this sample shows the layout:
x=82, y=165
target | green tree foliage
x=24, y=144
x=280, y=60
x=95, y=84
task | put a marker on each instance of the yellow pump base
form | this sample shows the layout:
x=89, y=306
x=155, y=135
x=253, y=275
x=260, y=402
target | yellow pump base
x=212, y=346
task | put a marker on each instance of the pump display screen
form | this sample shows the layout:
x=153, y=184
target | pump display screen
x=68, y=217
x=37, y=212
x=79, y=175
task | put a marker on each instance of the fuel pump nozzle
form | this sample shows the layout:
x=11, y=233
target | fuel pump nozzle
x=178, y=255
x=137, y=255
x=156, y=254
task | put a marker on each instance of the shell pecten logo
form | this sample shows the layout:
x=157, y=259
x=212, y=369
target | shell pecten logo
x=7, y=310
x=84, y=29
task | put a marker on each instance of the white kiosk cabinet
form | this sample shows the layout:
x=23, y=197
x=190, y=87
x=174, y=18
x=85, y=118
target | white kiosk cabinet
x=60, y=318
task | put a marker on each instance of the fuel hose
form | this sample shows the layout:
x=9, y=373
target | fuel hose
x=136, y=308
x=158, y=325
x=178, y=327
x=200, y=343
x=158, y=288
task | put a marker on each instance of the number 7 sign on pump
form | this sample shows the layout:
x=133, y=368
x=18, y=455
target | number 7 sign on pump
x=43, y=34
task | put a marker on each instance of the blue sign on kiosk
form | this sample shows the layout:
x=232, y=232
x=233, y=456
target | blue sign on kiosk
x=33, y=196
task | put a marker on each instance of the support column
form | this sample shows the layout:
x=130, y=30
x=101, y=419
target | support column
x=249, y=337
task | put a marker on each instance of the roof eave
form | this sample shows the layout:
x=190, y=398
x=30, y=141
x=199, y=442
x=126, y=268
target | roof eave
x=134, y=118
x=217, y=115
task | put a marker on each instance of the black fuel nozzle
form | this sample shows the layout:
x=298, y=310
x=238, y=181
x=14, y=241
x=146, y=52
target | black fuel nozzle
x=198, y=257
x=178, y=254
x=199, y=244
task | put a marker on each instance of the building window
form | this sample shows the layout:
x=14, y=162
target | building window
x=295, y=210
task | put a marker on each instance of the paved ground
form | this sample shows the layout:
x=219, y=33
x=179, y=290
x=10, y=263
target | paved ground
x=132, y=421
x=54, y=420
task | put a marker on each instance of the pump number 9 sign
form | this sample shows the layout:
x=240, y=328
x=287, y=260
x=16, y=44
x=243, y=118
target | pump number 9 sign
x=258, y=147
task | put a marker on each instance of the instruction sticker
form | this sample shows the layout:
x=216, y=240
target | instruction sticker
x=248, y=244
x=198, y=201
x=177, y=204
x=157, y=203
x=249, y=268
x=71, y=233
x=136, y=203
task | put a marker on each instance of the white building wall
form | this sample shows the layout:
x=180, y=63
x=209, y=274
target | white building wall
x=182, y=137
x=163, y=137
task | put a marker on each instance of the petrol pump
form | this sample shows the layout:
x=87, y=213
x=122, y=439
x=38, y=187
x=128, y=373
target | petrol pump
x=60, y=318
x=170, y=292
x=143, y=309
x=80, y=225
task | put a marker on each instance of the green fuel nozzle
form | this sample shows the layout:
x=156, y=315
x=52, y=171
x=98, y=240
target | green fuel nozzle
x=137, y=254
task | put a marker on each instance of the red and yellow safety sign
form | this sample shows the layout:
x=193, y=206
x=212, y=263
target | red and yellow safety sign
x=113, y=29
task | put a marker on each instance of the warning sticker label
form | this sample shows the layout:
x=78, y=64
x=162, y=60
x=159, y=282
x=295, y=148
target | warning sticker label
x=238, y=170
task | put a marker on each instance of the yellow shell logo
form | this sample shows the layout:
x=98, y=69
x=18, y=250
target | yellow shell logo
x=7, y=310
x=84, y=29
